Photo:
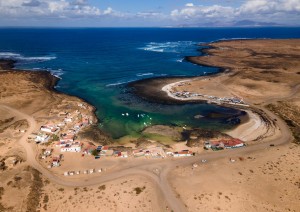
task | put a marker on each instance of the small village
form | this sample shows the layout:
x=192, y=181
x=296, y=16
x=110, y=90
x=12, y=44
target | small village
x=209, y=98
x=61, y=139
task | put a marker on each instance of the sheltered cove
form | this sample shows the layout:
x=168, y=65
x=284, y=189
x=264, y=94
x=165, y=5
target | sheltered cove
x=27, y=104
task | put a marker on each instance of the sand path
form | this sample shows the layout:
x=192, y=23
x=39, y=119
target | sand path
x=157, y=171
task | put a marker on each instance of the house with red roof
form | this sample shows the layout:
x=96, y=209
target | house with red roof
x=55, y=161
x=183, y=153
x=233, y=143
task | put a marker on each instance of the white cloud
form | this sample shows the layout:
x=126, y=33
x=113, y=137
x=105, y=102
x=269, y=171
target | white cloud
x=53, y=8
x=281, y=11
x=291, y=5
x=58, y=6
x=215, y=11
x=189, y=5
x=149, y=15
x=258, y=6
x=108, y=11
x=273, y=6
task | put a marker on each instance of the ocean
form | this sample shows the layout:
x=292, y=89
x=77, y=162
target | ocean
x=97, y=63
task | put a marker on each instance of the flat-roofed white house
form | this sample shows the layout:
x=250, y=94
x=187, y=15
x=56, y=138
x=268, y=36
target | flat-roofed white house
x=71, y=148
x=68, y=119
x=124, y=155
x=49, y=129
x=42, y=138
x=183, y=154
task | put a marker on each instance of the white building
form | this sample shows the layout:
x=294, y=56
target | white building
x=71, y=148
x=50, y=129
x=68, y=119
x=42, y=138
x=207, y=144
x=183, y=154
x=124, y=155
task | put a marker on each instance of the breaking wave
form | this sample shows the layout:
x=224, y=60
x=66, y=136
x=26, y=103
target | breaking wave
x=169, y=47
x=119, y=83
x=180, y=60
x=22, y=59
x=56, y=72
x=144, y=74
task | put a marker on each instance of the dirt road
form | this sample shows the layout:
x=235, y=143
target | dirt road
x=156, y=170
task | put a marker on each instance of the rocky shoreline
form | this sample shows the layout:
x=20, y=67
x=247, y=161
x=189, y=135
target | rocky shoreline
x=46, y=81
x=248, y=71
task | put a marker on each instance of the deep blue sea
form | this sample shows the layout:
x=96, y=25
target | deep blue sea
x=96, y=64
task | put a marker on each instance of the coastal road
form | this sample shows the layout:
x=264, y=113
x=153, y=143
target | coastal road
x=165, y=190
x=160, y=178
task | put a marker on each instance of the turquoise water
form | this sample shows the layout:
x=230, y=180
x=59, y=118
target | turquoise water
x=96, y=64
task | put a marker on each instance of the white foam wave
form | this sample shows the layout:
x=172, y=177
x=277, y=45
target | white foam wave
x=22, y=59
x=153, y=49
x=45, y=58
x=58, y=73
x=121, y=82
x=144, y=74
x=9, y=54
x=169, y=47
x=180, y=60
x=118, y=83
x=114, y=84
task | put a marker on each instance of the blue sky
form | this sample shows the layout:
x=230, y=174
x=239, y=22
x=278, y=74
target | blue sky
x=147, y=13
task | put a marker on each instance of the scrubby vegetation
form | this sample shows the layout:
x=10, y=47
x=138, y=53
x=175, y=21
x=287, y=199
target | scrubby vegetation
x=102, y=187
x=290, y=113
x=94, y=134
x=36, y=188
x=139, y=190
x=195, y=137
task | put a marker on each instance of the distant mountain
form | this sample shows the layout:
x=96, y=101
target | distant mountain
x=254, y=23
x=242, y=23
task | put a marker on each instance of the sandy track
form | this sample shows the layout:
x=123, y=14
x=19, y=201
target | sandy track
x=157, y=171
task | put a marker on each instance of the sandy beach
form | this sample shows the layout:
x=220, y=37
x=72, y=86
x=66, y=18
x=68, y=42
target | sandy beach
x=258, y=72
